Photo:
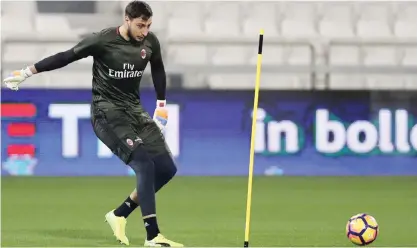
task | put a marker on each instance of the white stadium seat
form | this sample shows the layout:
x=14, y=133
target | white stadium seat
x=373, y=29
x=381, y=56
x=230, y=55
x=410, y=56
x=344, y=55
x=182, y=27
x=188, y=54
x=336, y=20
x=405, y=29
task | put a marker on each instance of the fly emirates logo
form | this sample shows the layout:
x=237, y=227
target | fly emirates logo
x=128, y=72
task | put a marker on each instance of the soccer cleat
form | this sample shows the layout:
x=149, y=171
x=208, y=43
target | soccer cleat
x=161, y=241
x=118, y=225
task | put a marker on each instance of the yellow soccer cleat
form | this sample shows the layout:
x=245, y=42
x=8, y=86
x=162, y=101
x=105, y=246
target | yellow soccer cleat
x=161, y=241
x=118, y=225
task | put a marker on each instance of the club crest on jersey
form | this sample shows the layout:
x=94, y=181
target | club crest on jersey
x=143, y=53
x=129, y=142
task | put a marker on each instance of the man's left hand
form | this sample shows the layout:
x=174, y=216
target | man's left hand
x=160, y=115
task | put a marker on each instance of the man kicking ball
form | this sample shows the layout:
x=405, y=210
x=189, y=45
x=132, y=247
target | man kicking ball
x=121, y=55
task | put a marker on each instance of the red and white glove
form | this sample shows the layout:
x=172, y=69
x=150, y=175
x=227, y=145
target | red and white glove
x=16, y=78
x=160, y=115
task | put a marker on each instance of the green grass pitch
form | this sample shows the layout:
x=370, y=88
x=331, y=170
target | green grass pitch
x=210, y=211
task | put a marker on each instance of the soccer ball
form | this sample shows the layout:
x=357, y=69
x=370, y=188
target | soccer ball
x=362, y=229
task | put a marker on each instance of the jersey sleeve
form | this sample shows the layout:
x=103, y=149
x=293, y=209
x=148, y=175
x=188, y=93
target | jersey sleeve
x=158, y=69
x=88, y=46
x=156, y=50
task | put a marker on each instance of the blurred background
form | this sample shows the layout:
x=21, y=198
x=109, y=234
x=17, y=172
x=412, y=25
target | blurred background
x=338, y=104
x=338, y=87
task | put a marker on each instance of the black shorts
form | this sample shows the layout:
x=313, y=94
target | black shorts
x=122, y=130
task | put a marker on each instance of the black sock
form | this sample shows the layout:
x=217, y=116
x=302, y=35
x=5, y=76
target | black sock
x=126, y=208
x=152, y=228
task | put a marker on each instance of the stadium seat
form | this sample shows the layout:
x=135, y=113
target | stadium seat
x=407, y=11
x=335, y=11
x=302, y=11
x=160, y=16
x=187, y=54
x=260, y=10
x=299, y=55
x=230, y=55
x=297, y=29
x=65, y=78
x=54, y=24
x=189, y=10
x=375, y=11
x=231, y=81
x=22, y=52
x=272, y=55
x=53, y=48
x=410, y=56
x=268, y=81
x=375, y=20
x=19, y=8
x=373, y=29
x=123, y=5
x=346, y=82
x=182, y=27
x=290, y=81
x=410, y=82
x=223, y=10
x=405, y=29
x=299, y=21
x=186, y=19
x=336, y=29
x=18, y=25
x=384, y=82
x=380, y=55
x=223, y=20
x=83, y=22
x=344, y=55
x=251, y=27
x=336, y=20
x=259, y=15
x=222, y=28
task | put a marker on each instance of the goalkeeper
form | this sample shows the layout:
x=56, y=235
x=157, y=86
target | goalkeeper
x=121, y=55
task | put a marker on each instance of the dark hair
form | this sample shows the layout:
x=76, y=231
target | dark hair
x=137, y=9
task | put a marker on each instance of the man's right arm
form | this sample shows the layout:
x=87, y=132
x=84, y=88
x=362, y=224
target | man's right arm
x=55, y=61
x=86, y=47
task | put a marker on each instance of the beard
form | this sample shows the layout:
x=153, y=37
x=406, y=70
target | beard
x=132, y=38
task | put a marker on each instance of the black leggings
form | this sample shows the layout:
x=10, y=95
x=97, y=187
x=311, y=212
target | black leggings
x=151, y=176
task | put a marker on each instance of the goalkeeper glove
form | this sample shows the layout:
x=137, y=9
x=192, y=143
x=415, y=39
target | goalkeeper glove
x=16, y=78
x=160, y=115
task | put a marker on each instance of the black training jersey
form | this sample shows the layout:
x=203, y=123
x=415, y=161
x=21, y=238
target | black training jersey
x=118, y=65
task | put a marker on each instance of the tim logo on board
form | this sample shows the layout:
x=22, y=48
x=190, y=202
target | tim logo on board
x=72, y=114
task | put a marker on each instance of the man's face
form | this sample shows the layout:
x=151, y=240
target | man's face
x=138, y=28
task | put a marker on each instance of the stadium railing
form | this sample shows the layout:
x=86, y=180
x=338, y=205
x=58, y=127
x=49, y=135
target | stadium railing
x=394, y=69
